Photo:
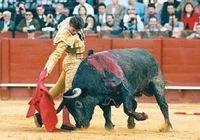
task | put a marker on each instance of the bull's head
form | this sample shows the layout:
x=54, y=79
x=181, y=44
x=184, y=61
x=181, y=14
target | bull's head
x=80, y=105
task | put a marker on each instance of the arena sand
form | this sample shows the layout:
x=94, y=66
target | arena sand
x=15, y=126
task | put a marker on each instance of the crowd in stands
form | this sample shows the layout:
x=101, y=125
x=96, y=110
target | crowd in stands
x=127, y=18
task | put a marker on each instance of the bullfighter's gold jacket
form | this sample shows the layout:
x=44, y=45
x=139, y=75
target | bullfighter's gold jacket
x=67, y=43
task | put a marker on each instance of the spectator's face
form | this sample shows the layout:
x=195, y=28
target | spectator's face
x=176, y=32
x=66, y=12
x=170, y=9
x=21, y=8
x=102, y=9
x=21, y=5
x=191, y=1
x=155, y=1
x=198, y=29
x=151, y=10
x=6, y=17
x=188, y=8
x=131, y=11
x=171, y=1
x=60, y=9
x=28, y=15
x=197, y=9
x=82, y=2
x=82, y=11
x=152, y=21
x=114, y=2
x=40, y=10
x=90, y=20
x=131, y=2
x=109, y=19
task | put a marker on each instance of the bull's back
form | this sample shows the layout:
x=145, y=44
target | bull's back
x=137, y=64
x=130, y=65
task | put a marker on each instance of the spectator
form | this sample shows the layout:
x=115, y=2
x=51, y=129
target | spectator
x=116, y=10
x=66, y=12
x=90, y=9
x=183, y=3
x=173, y=22
x=158, y=6
x=28, y=22
x=59, y=16
x=132, y=21
x=197, y=10
x=48, y=4
x=7, y=24
x=41, y=17
x=196, y=32
x=153, y=25
x=30, y=4
x=90, y=24
x=111, y=26
x=140, y=8
x=189, y=17
x=101, y=16
x=151, y=11
x=7, y=4
x=1, y=16
x=82, y=12
x=169, y=5
x=20, y=10
x=49, y=20
x=177, y=32
x=170, y=10
x=121, y=2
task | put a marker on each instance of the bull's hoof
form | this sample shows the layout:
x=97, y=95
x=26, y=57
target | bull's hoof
x=109, y=126
x=67, y=128
x=131, y=123
x=165, y=128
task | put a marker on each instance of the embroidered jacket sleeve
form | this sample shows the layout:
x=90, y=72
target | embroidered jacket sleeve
x=65, y=42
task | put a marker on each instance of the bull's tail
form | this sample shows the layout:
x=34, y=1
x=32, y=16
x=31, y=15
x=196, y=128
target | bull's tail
x=60, y=107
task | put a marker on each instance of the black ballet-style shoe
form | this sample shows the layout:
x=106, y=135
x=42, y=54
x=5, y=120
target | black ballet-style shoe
x=38, y=120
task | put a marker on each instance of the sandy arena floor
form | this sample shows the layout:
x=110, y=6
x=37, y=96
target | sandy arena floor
x=14, y=125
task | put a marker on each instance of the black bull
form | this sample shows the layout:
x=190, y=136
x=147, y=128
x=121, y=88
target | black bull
x=112, y=78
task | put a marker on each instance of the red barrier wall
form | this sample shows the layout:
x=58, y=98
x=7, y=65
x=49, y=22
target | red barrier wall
x=21, y=60
x=181, y=64
x=24, y=59
x=97, y=44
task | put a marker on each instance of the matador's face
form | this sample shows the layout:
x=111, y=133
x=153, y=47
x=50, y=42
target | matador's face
x=73, y=31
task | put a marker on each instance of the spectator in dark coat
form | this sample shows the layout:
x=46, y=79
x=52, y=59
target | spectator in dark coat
x=40, y=16
x=101, y=16
x=170, y=10
x=28, y=23
x=164, y=16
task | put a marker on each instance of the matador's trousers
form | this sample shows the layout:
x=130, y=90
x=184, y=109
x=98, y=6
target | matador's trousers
x=64, y=82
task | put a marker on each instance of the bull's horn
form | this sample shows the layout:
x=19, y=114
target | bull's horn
x=76, y=92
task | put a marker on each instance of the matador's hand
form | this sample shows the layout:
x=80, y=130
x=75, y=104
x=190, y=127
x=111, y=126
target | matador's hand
x=44, y=74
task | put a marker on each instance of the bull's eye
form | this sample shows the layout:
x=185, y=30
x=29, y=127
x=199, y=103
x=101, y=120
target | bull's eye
x=78, y=104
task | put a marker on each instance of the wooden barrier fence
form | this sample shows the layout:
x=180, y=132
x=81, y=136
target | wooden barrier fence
x=21, y=60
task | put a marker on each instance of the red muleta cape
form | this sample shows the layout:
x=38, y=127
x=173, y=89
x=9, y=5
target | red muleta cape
x=44, y=104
